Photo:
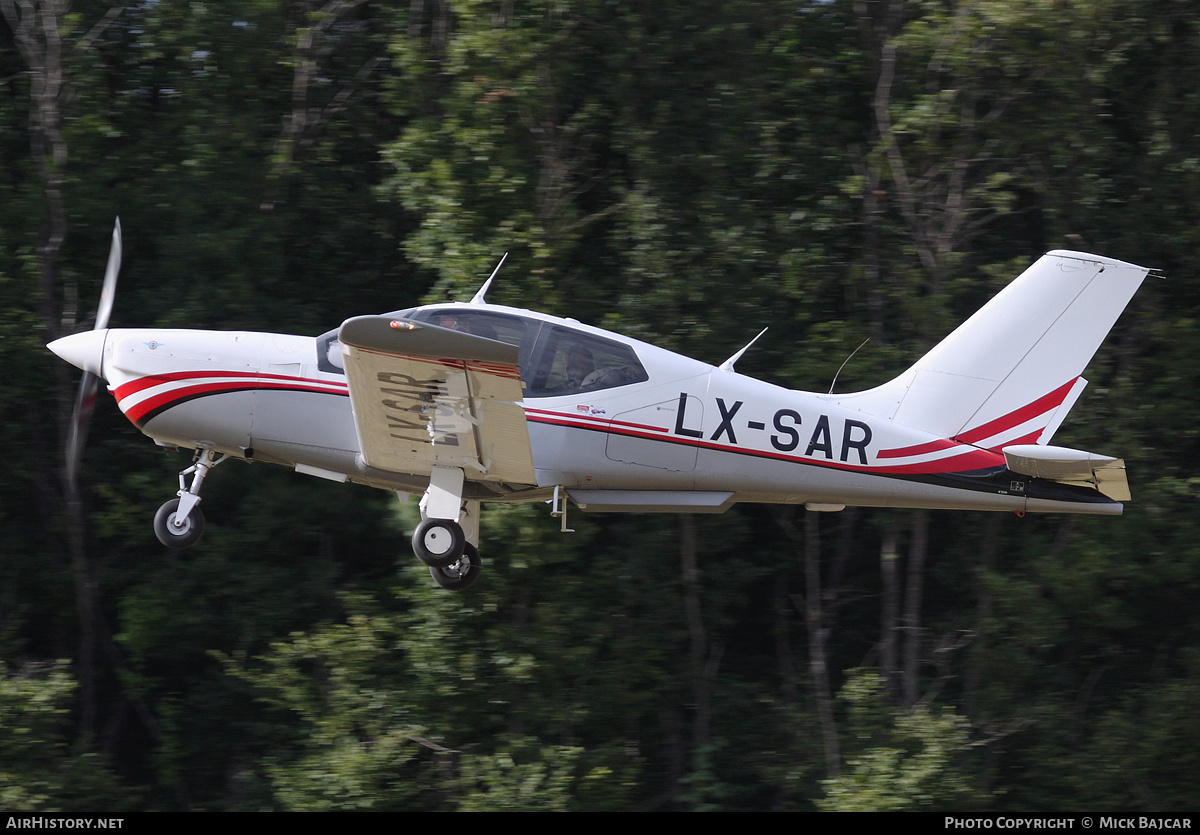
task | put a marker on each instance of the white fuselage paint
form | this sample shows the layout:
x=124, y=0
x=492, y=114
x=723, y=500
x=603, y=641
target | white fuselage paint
x=691, y=428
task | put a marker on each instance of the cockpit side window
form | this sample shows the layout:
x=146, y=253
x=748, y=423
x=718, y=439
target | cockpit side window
x=498, y=326
x=572, y=361
x=329, y=353
x=553, y=360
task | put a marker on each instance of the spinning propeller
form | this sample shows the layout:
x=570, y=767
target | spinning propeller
x=85, y=400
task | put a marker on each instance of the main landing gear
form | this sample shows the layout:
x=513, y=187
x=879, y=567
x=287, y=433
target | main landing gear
x=442, y=545
x=438, y=542
x=449, y=527
x=460, y=574
x=179, y=523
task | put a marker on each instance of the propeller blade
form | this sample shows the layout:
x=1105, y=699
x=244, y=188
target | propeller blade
x=109, y=291
x=81, y=419
x=85, y=400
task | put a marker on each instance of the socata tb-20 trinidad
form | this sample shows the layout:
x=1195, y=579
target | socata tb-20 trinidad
x=464, y=403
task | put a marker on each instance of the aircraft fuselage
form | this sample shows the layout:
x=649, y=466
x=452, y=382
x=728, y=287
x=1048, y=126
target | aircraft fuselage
x=691, y=437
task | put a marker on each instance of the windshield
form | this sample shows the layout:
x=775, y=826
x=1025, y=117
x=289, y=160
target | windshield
x=553, y=360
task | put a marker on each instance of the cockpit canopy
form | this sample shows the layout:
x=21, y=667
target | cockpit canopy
x=554, y=359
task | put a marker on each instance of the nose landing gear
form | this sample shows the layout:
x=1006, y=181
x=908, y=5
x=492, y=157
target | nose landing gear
x=176, y=531
x=179, y=523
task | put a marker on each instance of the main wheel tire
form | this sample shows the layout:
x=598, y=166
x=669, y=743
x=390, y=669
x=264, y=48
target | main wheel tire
x=438, y=542
x=461, y=574
x=174, y=535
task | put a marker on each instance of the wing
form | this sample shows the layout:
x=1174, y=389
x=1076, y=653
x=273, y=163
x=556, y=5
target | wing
x=425, y=396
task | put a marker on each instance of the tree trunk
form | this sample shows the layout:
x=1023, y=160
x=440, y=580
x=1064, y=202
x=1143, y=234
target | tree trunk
x=37, y=31
x=890, y=580
x=704, y=664
x=912, y=608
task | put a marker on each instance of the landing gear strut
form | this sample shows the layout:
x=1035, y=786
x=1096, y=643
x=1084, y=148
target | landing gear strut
x=449, y=530
x=179, y=523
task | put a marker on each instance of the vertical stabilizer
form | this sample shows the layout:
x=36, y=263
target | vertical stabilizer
x=1009, y=374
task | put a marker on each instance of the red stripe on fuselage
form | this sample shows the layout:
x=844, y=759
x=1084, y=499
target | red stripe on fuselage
x=917, y=449
x=1043, y=404
x=246, y=381
x=149, y=381
x=563, y=419
x=969, y=460
x=1031, y=438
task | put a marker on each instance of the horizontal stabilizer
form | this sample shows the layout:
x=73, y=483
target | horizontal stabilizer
x=1070, y=466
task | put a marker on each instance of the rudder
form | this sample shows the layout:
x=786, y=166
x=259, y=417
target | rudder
x=1010, y=373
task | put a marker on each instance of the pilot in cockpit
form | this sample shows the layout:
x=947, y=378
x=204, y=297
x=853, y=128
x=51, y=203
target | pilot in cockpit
x=579, y=366
x=465, y=324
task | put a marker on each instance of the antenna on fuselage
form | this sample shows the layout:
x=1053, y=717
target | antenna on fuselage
x=728, y=364
x=846, y=360
x=478, y=297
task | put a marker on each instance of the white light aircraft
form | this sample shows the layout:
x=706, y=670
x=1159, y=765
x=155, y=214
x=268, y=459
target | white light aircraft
x=470, y=402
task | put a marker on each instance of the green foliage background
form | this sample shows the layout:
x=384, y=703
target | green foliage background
x=682, y=172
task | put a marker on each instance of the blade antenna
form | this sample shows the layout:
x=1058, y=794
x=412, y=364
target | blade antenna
x=478, y=297
x=728, y=364
x=846, y=360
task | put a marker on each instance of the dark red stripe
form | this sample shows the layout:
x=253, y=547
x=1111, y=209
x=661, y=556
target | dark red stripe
x=170, y=398
x=918, y=449
x=1031, y=438
x=150, y=404
x=1014, y=418
x=551, y=416
x=151, y=380
x=975, y=459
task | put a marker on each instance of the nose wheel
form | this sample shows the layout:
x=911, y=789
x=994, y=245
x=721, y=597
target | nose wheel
x=175, y=531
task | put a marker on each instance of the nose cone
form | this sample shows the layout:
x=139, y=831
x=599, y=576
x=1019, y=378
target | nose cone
x=83, y=350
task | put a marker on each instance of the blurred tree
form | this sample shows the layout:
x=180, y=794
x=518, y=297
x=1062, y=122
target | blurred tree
x=905, y=759
x=40, y=771
x=680, y=173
